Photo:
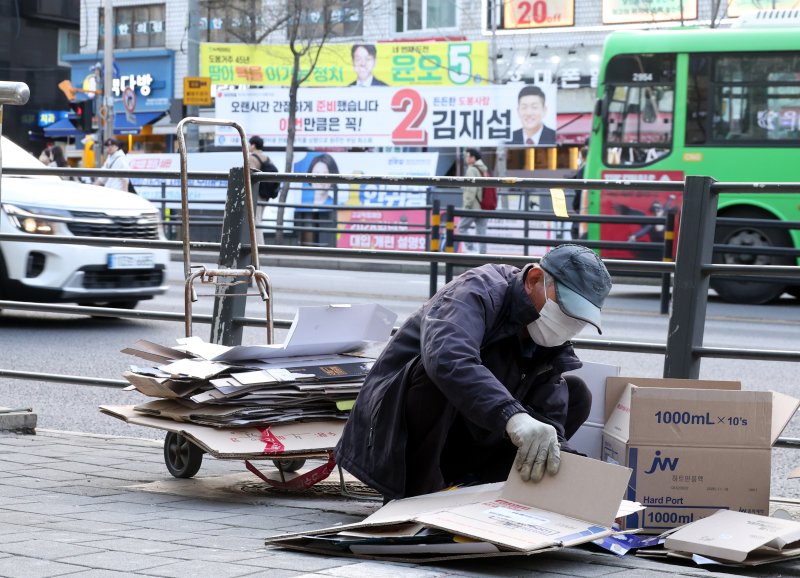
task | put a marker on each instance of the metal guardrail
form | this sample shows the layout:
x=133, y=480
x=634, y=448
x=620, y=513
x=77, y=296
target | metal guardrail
x=683, y=348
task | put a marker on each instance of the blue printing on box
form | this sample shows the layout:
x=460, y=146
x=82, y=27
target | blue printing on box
x=633, y=459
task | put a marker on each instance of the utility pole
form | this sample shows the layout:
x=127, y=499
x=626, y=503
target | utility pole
x=108, y=71
x=193, y=70
x=500, y=161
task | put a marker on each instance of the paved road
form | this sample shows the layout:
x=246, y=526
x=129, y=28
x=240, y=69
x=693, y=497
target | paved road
x=77, y=345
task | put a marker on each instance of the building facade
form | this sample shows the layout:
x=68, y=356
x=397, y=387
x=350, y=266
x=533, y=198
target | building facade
x=525, y=42
x=37, y=35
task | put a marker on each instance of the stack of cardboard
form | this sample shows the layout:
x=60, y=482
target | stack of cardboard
x=501, y=519
x=315, y=375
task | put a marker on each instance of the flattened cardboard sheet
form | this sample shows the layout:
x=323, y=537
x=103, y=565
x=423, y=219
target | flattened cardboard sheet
x=309, y=439
x=516, y=517
x=746, y=539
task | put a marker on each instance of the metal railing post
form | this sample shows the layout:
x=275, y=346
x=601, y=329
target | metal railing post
x=435, y=219
x=227, y=306
x=669, y=238
x=690, y=291
x=448, y=242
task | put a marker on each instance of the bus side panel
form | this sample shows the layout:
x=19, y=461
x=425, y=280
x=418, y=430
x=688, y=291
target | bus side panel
x=633, y=203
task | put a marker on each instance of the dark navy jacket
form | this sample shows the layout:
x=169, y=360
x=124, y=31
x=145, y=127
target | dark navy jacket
x=462, y=337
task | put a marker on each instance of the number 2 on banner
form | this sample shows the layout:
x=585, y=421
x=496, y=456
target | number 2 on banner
x=408, y=132
x=525, y=14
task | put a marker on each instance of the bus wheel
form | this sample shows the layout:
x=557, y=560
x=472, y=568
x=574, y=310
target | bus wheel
x=755, y=235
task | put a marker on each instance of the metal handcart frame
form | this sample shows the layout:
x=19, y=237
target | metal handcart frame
x=182, y=456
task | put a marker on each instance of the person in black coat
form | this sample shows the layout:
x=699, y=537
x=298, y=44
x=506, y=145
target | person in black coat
x=531, y=108
x=474, y=378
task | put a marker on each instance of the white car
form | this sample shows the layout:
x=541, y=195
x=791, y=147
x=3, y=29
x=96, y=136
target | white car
x=115, y=276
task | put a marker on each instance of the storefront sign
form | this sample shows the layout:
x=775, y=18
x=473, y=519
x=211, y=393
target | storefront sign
x=393, y=64
x=149, y=73
x=633, y=11
x=48, y=117
x=521, y=14
x=197, y=91
x=741, y=7
x=388, y=116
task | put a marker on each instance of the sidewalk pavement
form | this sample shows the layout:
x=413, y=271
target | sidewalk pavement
x=96, y=506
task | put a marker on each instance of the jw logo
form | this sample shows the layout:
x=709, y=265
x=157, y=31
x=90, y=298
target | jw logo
x=662, y=464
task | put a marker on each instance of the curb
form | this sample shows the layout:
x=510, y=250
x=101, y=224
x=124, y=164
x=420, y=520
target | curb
x=18, y=420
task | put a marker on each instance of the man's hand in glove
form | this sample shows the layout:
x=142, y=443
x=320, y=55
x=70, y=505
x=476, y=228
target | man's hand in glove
x=538, y=446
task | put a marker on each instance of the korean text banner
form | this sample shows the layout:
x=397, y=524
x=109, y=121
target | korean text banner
x=389, y=116
x=625, y=11
x=393, y=64
x=740, y=7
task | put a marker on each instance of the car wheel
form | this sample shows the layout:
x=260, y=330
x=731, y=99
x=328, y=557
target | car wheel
x=755, y=235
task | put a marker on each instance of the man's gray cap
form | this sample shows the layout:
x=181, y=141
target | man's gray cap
x=582, y=281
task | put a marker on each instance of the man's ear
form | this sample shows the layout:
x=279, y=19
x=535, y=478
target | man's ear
x=534, y=275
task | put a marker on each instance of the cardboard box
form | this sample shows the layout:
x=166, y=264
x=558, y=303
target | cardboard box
x=694, y=451
x=588, y=439
x=743, y=539
x=511, y=518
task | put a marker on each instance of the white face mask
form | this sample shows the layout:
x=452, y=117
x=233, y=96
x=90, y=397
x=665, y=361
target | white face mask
x=553, y=327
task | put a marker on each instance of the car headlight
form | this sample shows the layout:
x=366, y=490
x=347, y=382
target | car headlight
x=34, y=220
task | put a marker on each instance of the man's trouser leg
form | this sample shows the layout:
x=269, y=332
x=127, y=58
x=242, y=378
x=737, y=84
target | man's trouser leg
x=429, y=416
x=480, y=228
x=464, y=225
x=580, y=404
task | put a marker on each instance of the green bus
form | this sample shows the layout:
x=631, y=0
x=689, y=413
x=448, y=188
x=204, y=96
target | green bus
x=723, y=103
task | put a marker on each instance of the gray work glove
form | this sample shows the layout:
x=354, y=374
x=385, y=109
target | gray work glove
x=538, y=446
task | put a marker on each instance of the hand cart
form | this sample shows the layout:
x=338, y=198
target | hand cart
x=289, y=445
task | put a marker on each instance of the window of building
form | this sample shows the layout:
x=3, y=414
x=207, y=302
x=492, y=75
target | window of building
x=69, y=42
x=342, y=18
x=743, y=100
x=424, y=14
x=136, y=26
x=231, y=21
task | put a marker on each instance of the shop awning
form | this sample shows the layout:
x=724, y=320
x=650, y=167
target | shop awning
x=62, y=128
x=122, y=126
x=574, y=128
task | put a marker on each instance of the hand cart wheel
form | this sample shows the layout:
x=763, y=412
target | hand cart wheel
x=182, y=457
x=289, y=465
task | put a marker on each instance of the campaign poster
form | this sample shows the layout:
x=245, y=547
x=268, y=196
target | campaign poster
x=357, y=65
x=514, y=114
x=368, y=220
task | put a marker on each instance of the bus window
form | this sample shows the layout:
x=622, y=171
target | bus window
x=697, y=100
x=640, y=97
x=753, y=99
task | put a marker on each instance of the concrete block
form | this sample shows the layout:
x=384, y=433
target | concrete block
x=19, y=421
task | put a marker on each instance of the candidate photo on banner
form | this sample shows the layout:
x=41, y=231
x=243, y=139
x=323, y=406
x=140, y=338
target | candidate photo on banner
x=364, y=58
x=535, y=120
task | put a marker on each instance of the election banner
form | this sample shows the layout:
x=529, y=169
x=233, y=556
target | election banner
x=382, y=64
x=513, y=114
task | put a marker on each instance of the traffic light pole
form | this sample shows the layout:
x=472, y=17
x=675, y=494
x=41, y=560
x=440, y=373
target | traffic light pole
x=108, y=72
